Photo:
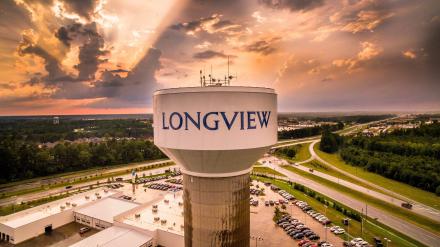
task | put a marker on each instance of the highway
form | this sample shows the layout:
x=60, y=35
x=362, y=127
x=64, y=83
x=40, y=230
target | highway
x=420, y=234
x=56, y=191
x=396, y=199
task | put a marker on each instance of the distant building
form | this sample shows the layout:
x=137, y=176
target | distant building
x=56, y=120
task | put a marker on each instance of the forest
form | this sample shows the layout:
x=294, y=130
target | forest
x=24, y=160
x=410, y=156
x=43, y=130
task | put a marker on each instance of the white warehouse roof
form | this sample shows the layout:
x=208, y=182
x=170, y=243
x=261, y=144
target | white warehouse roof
x=107, y=209
x=115, y=237
x=33, y=214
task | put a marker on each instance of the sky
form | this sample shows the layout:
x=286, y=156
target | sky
x=109, y=56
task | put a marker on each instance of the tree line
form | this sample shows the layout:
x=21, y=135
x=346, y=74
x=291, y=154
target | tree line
x=43, y=130
x=411, y=156
x=24, y=160
x=309, y=131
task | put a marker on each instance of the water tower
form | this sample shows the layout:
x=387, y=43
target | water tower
x=215, y=133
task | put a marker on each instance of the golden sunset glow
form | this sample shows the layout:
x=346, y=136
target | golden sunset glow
x=108, y=56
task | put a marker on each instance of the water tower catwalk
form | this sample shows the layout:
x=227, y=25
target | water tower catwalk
x=215, y=133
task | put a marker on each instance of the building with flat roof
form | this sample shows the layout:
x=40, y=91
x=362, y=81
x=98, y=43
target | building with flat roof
x=100, y=215
x=157, y=221
x=30, y=223
x=115, y=237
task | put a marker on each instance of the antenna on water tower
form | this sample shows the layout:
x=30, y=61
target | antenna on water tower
x=219, y=81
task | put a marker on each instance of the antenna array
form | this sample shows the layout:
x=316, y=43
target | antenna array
x=211, y=81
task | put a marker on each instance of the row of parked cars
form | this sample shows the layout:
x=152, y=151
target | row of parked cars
x=115, y=186
x=319, y=217
x=276, y=202
x=358, y=242
x=308, y=243
x=151, y=179
x=337, y=230
x=164, y=187
x=254, y=202
x=175, y=181
x=156, y=178
x=256, y=192
x=295, y=229
x=315, y=215
x=286, y=195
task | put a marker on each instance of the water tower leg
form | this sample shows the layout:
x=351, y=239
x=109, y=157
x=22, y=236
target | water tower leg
x=217, y=211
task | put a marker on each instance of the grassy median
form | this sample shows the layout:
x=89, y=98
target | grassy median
x=266, y=170
x=413, y=193
x=301, y=153
x=318, y=166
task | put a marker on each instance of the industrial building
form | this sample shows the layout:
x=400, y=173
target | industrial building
x=100, y=215
x=30, y=223
x=156, y=222
x=115, y=237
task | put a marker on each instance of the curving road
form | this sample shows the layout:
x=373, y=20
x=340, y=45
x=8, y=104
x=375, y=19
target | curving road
x=396, y=199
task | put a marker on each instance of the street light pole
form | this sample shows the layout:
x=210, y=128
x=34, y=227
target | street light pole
x=348, y=228
x=325, y=225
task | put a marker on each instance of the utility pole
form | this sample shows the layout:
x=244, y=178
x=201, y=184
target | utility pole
x=362, y=223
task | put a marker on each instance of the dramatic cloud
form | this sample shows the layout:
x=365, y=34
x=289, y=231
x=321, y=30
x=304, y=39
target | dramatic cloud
x=208, y=54
x=368, y=52
x=362, y=15
x=117, y=91
x=197, y=25
x=84, y=8
x=52, y=65
x=293, y=5
x=98, y=56
x=264, y=47
x=91, y=50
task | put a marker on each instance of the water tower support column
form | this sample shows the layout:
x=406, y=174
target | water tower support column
x=217, y=211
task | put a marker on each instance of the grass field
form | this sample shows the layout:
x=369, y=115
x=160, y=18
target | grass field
x=408, y=191
x=266, y=170
x=370, y=228
x=402, y=213
x=318, y=166
x=302, y=153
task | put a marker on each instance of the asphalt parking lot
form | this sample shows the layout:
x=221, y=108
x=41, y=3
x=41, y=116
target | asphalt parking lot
x=263, y=226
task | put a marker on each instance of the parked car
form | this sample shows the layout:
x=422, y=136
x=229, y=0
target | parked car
x=84, y=230
x=313, y=237
x=298, y=236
